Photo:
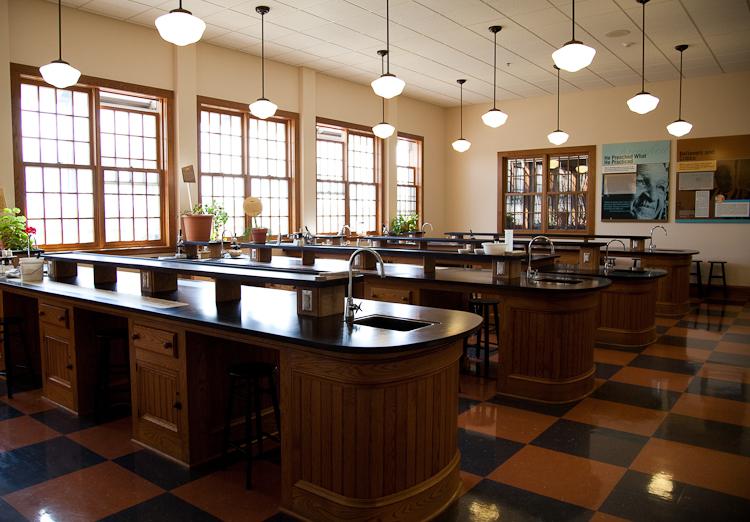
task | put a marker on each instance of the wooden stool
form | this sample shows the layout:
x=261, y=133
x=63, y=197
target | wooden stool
x=14, y=327
x=106, y=343
x=245, y=381
x=481, y=306
x=698, y=276
x=722, y=276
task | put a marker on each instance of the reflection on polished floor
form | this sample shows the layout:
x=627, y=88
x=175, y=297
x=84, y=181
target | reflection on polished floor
x=665, y=436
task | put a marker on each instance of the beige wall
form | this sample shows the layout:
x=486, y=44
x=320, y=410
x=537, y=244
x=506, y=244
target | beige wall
x=716, y=105
x=115, y=50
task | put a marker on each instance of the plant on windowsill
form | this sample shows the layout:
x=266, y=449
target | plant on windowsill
x=405, y=225
x=204, y=222
x=258, y=234
x=15, y=234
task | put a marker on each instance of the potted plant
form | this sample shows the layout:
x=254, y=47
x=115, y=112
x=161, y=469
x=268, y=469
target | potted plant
x=203, y=222
x=15, y=234
x=258, y=234
x=405, y=225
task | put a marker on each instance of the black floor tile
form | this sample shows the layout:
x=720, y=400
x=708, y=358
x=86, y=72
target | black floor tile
x=730, y=358
x=603, y=444
x=29, y=465
x=658, y=498
x=8, y=412
x=605, y=371
x=714, y=326
x=666, y=364
x=492, y=501
x=736, y=338
x=465, y=404
x=164, y=508
x=9, y=514
x=709, y=434
x=64, y=422
x=282, y=517
x=556, y=410
x=736, y=391
x=481, y=454
x=645, y=397
x=162, y=472
x=716, y=310
x=674, y=340
x=742, y=322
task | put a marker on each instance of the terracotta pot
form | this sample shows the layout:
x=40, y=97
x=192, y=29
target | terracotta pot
x=197, y=227
x=259, y=235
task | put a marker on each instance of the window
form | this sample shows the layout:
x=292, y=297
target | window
x=409, y=176
x=548, y=191
x=81, y=191
x=347, y=180
x=243, y=156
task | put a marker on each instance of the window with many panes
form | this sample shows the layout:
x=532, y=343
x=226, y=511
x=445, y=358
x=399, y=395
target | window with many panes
x=347, y=180
x=243, y=156
x=409, y=176
x=548, y=191
x=81, y=191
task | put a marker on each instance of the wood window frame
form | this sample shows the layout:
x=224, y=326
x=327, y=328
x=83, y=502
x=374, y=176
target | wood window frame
x=545, y=154
x=379, y=154
x=166, y=150
x=419, y=178
x=293, y=160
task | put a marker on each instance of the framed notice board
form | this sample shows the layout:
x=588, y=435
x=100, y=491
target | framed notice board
x=713, y=180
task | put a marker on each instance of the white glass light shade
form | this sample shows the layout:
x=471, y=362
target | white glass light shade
x=383, y=130
x=557, y=137
x=388, y=86
x=180, y=27
x=643, y=102
x=573, y=56
x=60, y=74
x=679, y=128
x=263, y=108
x=494, y=118
x=461, y=145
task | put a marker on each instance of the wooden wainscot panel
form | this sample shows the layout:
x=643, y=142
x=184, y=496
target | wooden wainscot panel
x=320, y=302
x=627, y=313
x=673, y=298
x=383, y=438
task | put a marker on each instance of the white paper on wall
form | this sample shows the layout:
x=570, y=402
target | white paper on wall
x=619, y=183
x=732, y=209
x=696, y=181
x=702, y=198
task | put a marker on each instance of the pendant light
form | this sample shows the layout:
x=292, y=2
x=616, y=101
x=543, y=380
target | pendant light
x=558, y=137
x=383, y=130
x=680, y=127
x=262, y=107
x=59, y=72
x=180, y=27
x=494, y=117
x=461, y=145
x=643, y=102
x=574, y=55
x=388, y=85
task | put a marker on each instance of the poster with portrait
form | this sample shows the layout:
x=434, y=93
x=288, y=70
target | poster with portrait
x=635, y=181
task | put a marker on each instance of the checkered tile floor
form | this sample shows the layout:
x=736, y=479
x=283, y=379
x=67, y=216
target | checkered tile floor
x=665, y=436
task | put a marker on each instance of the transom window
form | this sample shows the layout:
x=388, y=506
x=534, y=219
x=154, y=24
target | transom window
x=409, y=176
x=243, y=156
x=347, y=180
x=548, y=191
x=83, y=192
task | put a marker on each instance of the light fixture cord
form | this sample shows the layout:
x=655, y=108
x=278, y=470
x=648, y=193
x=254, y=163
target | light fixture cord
x=461, y=121
x=558, y=98
x=574, y=19
x=643, y=49
x=383, y=109
x=494, y=80
x=59, y=28
x=679, y=103
x=262, y=55
x=387, y=36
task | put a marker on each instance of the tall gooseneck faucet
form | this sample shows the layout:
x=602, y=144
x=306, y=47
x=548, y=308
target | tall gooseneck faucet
x=609, y=262
x=652, y=245
x=530, y=272
x=350, y=308
x=425, y=224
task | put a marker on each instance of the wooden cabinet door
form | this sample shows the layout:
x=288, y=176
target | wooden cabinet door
x=388, y=294
x=58, y=363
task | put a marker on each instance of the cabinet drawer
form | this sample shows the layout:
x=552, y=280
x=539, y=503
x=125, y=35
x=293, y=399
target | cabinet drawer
x=390, y=295
x=54, y=315
x=155, y=340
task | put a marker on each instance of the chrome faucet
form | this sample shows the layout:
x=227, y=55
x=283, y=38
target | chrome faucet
x=652, y=245
x=530, y=272
x=609, y=262
x=309, y=237
x=425, y=224
x=350, y=309
x=345, y=240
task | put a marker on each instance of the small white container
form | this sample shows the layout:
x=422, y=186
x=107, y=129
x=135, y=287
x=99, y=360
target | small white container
x=32, y=269
x=494, y=249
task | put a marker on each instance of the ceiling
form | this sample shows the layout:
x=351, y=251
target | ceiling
x=435, y=42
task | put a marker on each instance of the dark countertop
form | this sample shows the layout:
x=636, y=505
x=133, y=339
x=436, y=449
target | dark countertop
x=615, y=274
x=444, y=240
x=203, y=269
x=266, y=313
x=656, y=252
x=529, y=236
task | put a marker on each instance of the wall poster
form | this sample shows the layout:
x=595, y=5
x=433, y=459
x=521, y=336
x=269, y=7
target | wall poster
x=636, y=181
x=713, y=179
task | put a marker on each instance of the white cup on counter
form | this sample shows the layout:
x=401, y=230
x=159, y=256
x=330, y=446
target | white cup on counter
x=32, y=269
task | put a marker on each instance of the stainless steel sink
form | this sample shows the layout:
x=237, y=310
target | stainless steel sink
x=391, y=323
x=557, y=282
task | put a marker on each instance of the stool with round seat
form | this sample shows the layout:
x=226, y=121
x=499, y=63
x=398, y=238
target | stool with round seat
x=722, y=275
x=482, y=306
x=245, y=382
x=13, y=328
x=113, y=375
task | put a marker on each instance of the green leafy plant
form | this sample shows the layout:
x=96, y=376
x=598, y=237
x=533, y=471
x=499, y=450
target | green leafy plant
x=13, y=229
x=405, y=224
x=217, y=211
